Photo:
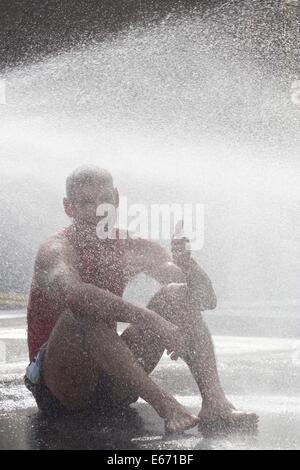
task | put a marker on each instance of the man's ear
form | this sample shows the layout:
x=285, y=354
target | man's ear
x=116, y=198
x=68, y=207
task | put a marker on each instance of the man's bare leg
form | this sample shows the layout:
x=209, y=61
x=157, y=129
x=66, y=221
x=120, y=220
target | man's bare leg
x=199, y=356
x=67, y=366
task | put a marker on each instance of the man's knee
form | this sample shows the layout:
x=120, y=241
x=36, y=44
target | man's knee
x=146, y=346
x=171, y=303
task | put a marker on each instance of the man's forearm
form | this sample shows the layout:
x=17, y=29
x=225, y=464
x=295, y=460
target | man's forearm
x=200, y=289
x=200, y=292
x=96, y=303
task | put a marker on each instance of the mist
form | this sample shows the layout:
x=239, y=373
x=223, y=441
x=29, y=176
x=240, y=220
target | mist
x=179, y=112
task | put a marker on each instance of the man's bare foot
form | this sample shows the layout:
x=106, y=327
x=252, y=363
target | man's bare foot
x=177, y=418
x=222, y=416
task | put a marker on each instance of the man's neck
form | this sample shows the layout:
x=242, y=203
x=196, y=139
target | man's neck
x=85, y=233
x=88, y=234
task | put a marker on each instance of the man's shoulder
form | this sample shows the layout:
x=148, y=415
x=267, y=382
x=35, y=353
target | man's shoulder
x=54, y=246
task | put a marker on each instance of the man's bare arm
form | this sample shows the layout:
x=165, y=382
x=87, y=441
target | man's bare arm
x=202, y=293
x=151, y=258
x=57, y=275
x=192, y=281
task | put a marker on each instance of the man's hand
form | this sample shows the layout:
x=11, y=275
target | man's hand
x=174, y=340
x=180, y=247
x=201, y=295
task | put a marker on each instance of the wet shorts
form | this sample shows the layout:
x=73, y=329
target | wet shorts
x=48, y=404
x=33, y=379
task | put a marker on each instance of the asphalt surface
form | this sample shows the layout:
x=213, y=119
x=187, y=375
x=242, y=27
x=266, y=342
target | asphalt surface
x=258, y=373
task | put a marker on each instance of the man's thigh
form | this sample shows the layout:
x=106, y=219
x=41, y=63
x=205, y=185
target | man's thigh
x=68, y=368
x=147, y=347
x=171, y=302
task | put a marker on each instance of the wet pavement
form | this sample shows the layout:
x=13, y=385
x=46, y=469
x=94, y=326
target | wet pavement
x=258, y=373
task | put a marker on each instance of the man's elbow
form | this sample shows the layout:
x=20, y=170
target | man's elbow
x=210, y=303
x=66, y=293
x=204, y=303
x=79, y=296
x=213, y=303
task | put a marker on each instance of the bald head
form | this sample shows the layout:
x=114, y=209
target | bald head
x=87, y=188
x=86, y=175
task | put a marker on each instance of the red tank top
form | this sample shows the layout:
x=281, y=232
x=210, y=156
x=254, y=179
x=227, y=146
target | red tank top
x=100, y=263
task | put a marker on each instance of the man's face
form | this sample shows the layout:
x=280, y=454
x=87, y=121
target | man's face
x=88, y=197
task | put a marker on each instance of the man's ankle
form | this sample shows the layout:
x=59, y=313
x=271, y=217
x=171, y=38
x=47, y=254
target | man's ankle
x=212, y=399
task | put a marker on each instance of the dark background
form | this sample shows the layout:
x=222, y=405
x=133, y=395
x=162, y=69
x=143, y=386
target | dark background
x=266, y=30
x=30, y=29
x=33, y=28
